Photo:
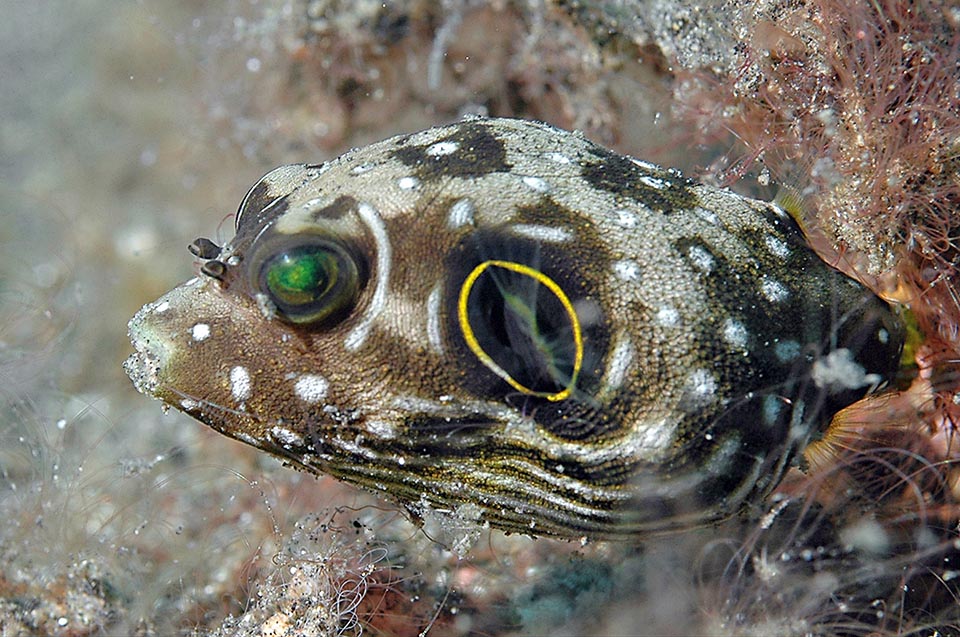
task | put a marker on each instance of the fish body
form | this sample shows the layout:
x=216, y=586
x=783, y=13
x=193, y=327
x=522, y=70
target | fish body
x=502, y=318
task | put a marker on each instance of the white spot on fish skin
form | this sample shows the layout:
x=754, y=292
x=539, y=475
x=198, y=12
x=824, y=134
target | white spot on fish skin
x=408, y=183
x=240, y=383
x=780, y=212
x=286, y=437
x=627, y=218
x=701, y=259
x=654, y=438
x=620, y=361
x=433, y=319
x=188, y=404
x=557, y=158
x=200, y=331
x=316, y=171
x=362, y=168
x=267, y=307
x=719, y=461
x=707, y=215
x=442, y=148
x=701, y=387
x=371, y=218
x=644, y=164
x=786, y=351
x=838, y=371
x=653, y=182
x=883, y=336
x=382, y=429
x=773, y=290
x=777, y=246
x=772, y=407
x=667, y=316
x=550, y=234
x=627, y=270
x=245, y=437
x=735, y=333
x=461, y=214
x=311, y=388
x=312, y=204
x=537, y=184
x=161, y=307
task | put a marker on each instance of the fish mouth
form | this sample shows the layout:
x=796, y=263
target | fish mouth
x=152, y=350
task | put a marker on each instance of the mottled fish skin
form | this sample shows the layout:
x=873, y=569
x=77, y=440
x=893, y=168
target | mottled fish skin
x=560, y=339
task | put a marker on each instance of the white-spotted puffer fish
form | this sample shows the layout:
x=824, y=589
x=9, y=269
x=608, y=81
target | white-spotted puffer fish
x=502, y=318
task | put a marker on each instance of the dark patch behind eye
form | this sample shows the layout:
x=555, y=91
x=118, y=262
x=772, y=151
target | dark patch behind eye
x=341, y=206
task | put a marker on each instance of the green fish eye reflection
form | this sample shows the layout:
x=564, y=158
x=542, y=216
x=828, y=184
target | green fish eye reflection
x=302, y=276
x=311, y=283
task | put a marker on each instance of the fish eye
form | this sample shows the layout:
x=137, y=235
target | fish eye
x=314, y=282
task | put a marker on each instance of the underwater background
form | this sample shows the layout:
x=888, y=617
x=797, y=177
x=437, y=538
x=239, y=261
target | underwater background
x=128, y=129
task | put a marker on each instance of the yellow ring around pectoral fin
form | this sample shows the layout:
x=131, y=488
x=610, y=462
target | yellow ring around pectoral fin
x=485, y=358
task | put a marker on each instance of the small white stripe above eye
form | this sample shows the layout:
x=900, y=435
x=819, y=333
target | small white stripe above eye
x=550, y=234
x=369, y=215
x=433, y=319
x=461, y=214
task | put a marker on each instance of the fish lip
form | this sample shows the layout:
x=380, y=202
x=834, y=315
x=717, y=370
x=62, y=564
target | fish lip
x=151, y=351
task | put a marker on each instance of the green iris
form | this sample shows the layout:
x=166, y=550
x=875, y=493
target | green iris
x=311, y=283
x=297, y=279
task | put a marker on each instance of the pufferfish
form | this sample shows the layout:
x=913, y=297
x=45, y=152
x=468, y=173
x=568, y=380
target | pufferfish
x=501, y=320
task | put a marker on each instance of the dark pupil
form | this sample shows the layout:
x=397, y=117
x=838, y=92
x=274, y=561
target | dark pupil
x=302, y=276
